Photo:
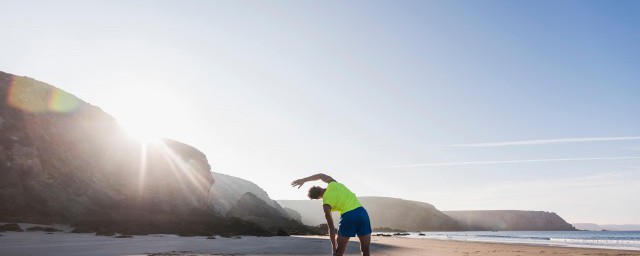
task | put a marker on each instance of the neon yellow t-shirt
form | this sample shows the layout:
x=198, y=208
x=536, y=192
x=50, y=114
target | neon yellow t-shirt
x=340, y=198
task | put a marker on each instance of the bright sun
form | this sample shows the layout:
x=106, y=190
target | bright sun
x=144, y=132
x=149, y=114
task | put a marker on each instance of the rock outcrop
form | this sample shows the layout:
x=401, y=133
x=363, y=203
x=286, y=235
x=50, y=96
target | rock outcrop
x=508, y=220
x=294, y=214
x=63, y=160
x=608, y=227
x=398, y=214
x=229, y=189
x=251, y=208
x=391, y=213
x=407, y=215
x=310, y=211
x=242, y=199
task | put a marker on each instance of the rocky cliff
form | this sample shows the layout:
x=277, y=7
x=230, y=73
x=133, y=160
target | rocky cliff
x=251, y=208
x=505, y=220
x=239, y=198
x=229, y=189
x=63, y=160
x=407, y=215
x=294, y=214
x=384, y=212
x=310, y=211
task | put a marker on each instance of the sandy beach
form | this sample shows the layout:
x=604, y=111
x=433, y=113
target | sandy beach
x=40, y=243
x=420, y=247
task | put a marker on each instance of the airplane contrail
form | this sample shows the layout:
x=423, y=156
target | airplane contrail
x=512, y=161
x=547, y=141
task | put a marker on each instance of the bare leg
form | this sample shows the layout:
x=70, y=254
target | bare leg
x=365, y=241
x=342, y=245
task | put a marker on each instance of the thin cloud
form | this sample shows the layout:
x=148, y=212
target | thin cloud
x=545, y=142
x=513, y=161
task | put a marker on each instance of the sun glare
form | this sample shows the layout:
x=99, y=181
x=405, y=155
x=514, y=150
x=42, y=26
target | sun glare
x=149, y=114
x=141, y=132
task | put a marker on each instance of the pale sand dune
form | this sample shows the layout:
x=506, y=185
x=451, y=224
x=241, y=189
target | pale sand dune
x=39, y=243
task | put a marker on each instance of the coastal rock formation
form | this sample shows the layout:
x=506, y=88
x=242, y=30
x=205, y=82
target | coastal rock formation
x=386, y=212
x=508, y=220
x=10, y=227
x=294, y=214
x=310, y=211
x=63, y=160
x=242, y=199
x=229, y=189
x=251, y=208
x=398, y=214
x=608, y=227
x=407, y=215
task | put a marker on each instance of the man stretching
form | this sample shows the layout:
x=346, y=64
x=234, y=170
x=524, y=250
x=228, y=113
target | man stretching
x=354, y=219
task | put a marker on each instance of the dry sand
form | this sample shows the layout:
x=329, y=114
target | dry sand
x=39, y=243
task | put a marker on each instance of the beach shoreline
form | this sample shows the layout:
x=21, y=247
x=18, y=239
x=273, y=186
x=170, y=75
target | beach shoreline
x=40, y=243
x=430, y=246
x=612, y=240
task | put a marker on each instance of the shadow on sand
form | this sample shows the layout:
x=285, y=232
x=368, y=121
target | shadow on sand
x=279, y=246
x=68, y=244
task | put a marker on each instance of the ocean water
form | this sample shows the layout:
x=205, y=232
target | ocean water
x=626, y=240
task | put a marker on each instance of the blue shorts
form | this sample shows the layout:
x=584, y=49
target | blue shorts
x=354, y=222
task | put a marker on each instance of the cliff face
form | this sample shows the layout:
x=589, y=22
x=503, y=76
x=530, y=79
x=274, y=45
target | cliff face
x=251, y=208
x=310, y=211
x=228, y=190
x=418, y=216
x=503, y=220
x=238, y=198
x=294, y=214
x=384, y=212
x=63, y=160
x=407, y=215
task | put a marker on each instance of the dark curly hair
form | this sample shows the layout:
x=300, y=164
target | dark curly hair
x=315, y=192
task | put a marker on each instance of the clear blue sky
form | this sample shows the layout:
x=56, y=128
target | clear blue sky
x=406, y=99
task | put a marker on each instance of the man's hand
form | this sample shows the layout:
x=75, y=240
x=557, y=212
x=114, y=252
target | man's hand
x=332, y=229
x=298, y=182
x=332, y=237
x=319, y=176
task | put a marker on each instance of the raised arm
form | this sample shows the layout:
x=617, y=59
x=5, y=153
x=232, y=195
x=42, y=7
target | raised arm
x=319, y=176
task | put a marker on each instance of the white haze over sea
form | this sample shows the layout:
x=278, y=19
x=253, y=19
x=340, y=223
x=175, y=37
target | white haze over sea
x=621, y=240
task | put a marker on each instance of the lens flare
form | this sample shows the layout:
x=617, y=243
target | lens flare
x=29, y=95
x=62, y=101
x=160, y=163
